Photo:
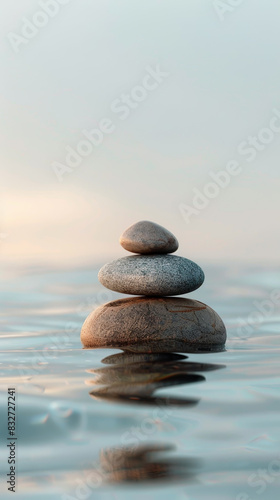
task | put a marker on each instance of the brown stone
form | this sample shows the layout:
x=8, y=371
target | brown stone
x=147, y=237
x=147, y=324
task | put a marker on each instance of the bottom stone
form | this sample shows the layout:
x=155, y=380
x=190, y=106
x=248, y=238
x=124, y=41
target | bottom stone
x=147, y=324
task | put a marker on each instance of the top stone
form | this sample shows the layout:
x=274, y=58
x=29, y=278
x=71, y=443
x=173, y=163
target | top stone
x=147, y=237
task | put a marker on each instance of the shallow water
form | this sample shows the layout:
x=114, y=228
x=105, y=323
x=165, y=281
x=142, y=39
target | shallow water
x=195, y=427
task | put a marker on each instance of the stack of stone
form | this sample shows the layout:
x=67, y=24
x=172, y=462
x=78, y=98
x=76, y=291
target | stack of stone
x=153, y=322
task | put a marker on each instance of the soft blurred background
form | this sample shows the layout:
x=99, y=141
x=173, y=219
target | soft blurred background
x=220, y=91
x=223, y=84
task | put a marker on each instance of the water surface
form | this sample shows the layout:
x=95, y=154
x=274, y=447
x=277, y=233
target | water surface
x=93, y=425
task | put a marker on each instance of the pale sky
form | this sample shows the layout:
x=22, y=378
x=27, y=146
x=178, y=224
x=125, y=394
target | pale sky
x=221, y=86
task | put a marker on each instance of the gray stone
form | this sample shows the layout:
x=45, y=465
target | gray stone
x=147, y=238
x=143, y=324
x=153, y=275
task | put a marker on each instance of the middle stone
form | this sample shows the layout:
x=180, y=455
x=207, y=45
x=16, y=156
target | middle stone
x=153, y=275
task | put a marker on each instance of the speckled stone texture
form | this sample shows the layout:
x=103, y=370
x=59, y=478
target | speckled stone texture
x=142, y=324
x=152, y=275
x=146, y=237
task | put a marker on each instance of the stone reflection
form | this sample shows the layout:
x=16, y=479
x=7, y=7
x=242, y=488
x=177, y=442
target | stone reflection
x=134, y=378
x=145, y=463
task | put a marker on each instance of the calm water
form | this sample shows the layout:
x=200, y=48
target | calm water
x=192, y=427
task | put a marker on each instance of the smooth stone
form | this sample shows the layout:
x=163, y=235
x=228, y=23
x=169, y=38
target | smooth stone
x=142, y=324
x=147, y=237
x=152, y=275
